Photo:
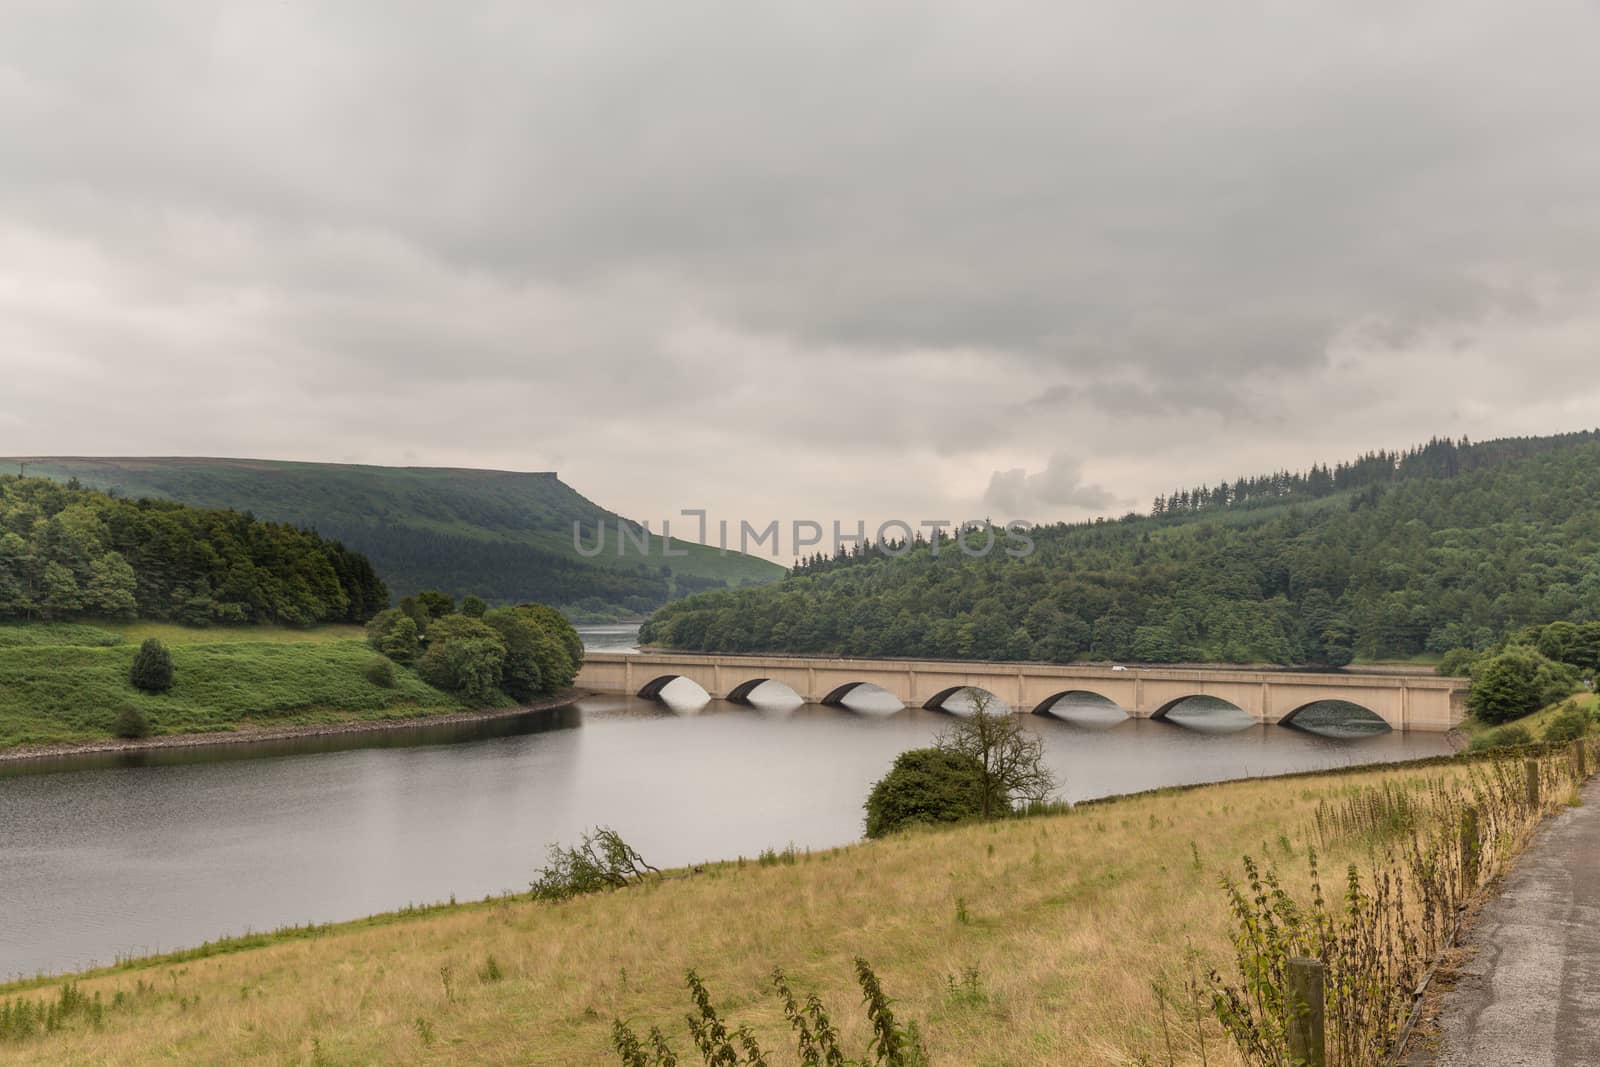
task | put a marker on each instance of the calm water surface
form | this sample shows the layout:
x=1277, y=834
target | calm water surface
x=108, y=860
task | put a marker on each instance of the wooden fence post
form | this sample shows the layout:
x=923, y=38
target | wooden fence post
x=1579, y=760
x=1308, y=1044
x=1471, y=848
x=1531, y=770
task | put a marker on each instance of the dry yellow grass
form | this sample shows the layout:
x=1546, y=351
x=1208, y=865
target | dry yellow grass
x=1071, y=918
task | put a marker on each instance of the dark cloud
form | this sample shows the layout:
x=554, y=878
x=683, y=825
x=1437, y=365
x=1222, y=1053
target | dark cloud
x=939, y=239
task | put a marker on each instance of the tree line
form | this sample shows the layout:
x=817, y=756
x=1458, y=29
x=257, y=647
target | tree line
x=1439, y=458
x=68, y=552
x=1501, y=536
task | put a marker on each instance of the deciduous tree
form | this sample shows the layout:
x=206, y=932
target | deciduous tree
x=1009, y=759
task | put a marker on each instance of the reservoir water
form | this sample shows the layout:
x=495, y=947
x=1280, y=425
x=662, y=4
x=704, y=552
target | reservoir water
x=124, y=856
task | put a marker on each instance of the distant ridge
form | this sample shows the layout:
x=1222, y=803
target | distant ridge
x=503, y=535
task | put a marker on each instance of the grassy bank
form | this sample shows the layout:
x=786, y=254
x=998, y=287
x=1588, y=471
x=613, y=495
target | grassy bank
x=65, y=684
x=1535, y=723
x=1037, y=941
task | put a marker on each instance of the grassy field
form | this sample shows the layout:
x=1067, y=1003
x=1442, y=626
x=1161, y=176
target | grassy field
x=1028, y=942
x=65, y=684
x=176, y=634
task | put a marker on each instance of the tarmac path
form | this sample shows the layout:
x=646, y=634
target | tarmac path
x=1530, y=993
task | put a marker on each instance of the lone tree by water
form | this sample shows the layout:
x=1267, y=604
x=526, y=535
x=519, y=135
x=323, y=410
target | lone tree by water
x=982, y=767
x=152, y=667
x=1009, y=760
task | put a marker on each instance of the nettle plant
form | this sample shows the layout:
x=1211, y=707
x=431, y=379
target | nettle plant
x=1429, y=847
x=816, y=1040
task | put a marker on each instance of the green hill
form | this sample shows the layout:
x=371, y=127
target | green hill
x=1393, y=556
x=503, y=535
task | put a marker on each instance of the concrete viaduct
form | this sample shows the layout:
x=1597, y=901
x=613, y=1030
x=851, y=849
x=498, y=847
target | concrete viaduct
x=1404, y=701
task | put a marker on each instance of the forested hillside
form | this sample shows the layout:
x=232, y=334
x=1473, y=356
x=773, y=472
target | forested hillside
x=501, y=535
x=68, y=552
x=1449, y=545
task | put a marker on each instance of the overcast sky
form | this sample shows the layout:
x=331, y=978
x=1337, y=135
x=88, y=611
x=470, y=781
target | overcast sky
x=809, y=260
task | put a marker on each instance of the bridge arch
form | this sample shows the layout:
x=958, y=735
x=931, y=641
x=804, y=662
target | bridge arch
x=1161, y=713
x=835, y=697
x=1241, y=717
x=938, y=701
x=656, y=687
x=651, y=690
x=864, y=698
x=1044, y=706
x=778, y=692
x=1333, y=716
x=740, y=694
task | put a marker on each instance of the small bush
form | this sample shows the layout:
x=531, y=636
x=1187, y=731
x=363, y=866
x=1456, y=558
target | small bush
x=602, y=861
x=380, y=672
x=1503, y=737
x=396, y=635
x=1516, y=682
x=1569, y=724
x=152, y=667
x=130, y=723
x=772, y=857
x=966, y=991
x=925, y=785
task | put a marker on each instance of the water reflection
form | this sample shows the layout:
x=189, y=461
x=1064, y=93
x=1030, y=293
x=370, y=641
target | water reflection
x=773, y=696
x=1209, y=715
x=1087, y=709
x=610, y=637
x=869, y=699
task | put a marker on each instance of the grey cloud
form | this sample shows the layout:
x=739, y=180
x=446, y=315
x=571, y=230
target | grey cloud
x=1046, y=494
x=925, y=230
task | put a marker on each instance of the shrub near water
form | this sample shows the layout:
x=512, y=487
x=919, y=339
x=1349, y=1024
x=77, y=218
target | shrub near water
x=152, y=667
x=925, y=786
x=601, y=861
x=380, y=672
x=131, y=723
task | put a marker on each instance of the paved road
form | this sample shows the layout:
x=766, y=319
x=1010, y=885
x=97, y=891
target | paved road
x=1530, y=995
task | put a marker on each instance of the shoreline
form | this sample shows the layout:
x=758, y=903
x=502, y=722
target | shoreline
x=250, y=735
